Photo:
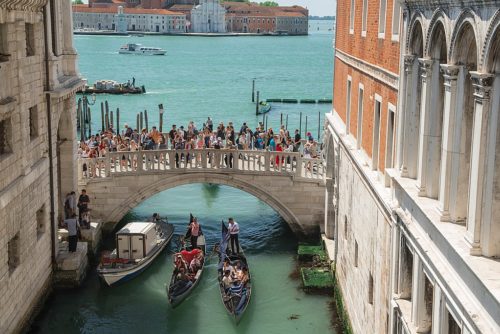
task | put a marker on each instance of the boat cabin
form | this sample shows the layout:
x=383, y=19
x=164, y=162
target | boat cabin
x=136, y=240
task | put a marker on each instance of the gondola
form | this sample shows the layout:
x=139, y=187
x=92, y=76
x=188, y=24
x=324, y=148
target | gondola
x=178, y=289
x=137, y=245
x=236, y=299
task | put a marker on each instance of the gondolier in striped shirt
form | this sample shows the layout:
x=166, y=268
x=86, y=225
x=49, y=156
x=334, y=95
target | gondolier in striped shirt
x=234, y=230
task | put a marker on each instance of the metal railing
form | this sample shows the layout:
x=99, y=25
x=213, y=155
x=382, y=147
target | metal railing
x=223, y=160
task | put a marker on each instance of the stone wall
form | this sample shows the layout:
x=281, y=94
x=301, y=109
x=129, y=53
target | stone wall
x=363, y=236
x=29, y=202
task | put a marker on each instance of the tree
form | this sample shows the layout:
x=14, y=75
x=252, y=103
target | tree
x=77, y=2
x=269, y=4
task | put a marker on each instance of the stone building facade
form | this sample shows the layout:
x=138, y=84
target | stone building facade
x=208, y=17
x=413, y=155
x=137, y=19
x=360, y=146
x=38, y=80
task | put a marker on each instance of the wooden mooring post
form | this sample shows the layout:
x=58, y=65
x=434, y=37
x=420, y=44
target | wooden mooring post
x=253, y=90
x=161, y=110
x=118, y=120
x=257, y=104
x=102, y=117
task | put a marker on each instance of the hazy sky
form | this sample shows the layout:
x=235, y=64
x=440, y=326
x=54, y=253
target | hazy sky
x=316, y=7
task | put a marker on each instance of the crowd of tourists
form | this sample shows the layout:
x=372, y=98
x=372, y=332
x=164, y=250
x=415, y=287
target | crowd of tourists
x=191, y=137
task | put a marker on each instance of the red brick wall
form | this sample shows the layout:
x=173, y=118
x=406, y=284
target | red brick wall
x=380, y=52
x=371, y=87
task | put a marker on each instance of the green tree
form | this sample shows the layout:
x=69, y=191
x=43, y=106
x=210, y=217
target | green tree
x=269, y=4
x=77, y=2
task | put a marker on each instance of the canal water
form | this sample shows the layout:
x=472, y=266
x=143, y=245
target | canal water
x=203, y=77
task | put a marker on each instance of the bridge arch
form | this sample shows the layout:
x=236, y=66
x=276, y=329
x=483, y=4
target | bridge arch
x=300, y=208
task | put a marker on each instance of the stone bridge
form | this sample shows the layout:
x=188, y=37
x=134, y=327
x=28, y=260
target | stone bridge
x=292, y=185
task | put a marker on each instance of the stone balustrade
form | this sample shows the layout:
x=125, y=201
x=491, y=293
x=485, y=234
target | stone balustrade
x=224, y=161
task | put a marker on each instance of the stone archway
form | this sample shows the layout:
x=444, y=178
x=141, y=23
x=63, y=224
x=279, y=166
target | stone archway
x=410, y=113
x=432, y=112
x=300, y=203
x=465, y=57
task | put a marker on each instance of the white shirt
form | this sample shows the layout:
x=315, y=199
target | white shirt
x=234, y=228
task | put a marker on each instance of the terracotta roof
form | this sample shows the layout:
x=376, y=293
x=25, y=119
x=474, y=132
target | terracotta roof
x=253, y=9
x=180, y=7
x=113, y=10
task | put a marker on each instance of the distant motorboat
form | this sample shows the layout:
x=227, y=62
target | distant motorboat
x=138, y=49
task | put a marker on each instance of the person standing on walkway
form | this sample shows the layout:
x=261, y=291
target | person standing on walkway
x=83, y=203
x=195, y=232
x=234, y=230
x=73, y=226
x=69, y=205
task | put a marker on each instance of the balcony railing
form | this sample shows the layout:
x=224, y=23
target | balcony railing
x=225, y=161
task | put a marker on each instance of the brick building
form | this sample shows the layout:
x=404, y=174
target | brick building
x=412, y=157
x=38, y=80
x=247, y=17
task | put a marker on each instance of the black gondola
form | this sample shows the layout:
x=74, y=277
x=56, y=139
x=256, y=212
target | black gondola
x=237, y=298
x=179, y=287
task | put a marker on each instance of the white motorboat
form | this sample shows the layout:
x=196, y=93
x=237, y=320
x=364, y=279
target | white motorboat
x=138, y=49
x=137, y=245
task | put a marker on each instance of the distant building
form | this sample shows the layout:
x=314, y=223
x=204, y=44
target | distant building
x=247, y=17
x=209, y=16
x=137, y=19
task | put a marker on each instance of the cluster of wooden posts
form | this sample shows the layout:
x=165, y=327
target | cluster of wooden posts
x=84, y=118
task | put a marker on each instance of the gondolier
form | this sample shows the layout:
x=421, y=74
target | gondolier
x=195, y=232
x=234, y=230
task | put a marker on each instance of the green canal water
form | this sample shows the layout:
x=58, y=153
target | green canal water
x=202, y=77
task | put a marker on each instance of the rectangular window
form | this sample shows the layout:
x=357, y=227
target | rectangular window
x=364, y=18
x=396, y=14
x=351, y=18
x=389, y=146
x=376, y=132
x=370, y=289
x=381, y=18
x=345, y=227
x=355, y=253
x=348, y=105
x=4, y=49
x=30, y=39
x=428, y=302
x=5, y=136
x=33, y=122
x=405, y=271
x=40, y=222
x=453, y=326
x=359, y=133
x=13, y=252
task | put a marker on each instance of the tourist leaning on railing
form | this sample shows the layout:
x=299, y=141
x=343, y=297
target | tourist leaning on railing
x=130, y=140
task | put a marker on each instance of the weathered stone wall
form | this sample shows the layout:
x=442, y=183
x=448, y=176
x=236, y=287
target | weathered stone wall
x=26, y=199
x=363, y=224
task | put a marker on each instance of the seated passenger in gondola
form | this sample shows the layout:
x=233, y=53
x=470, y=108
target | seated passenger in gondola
x=182, y=275
x=180, y=263
x=243, y=276
x=196, y=263
x=227, y=280
x=227, y=266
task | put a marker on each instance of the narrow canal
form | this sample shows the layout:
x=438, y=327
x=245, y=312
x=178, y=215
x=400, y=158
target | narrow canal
x=202, y=77
x=140, y=306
